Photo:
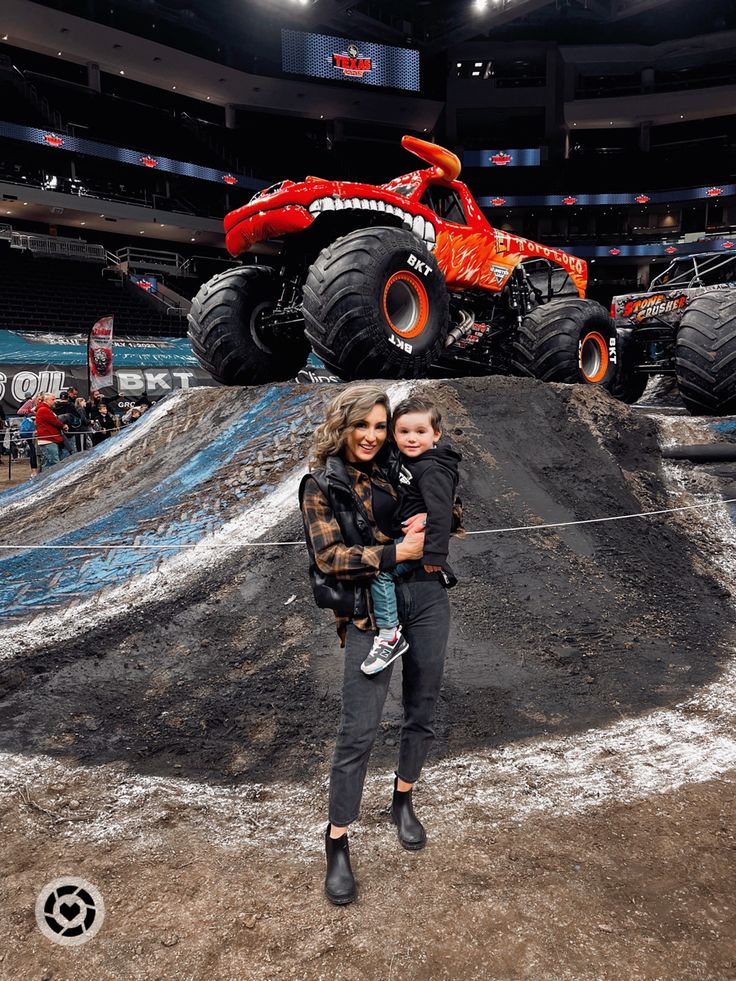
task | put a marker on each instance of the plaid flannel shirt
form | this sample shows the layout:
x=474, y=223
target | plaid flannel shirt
x=333, y=557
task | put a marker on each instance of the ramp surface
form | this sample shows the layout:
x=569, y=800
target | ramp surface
x=198, y=662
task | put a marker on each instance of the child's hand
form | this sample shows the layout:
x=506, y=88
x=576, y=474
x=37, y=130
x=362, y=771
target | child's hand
x=433, y=568
x=417, y=521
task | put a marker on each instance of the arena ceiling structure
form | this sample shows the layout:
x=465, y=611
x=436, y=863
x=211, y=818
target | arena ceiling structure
x=433, y=26
x=436, y=25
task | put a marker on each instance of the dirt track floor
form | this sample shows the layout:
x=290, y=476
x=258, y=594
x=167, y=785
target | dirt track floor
x=639, y=890
x=579, y=797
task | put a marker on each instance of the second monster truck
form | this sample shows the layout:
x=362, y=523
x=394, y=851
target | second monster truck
x=388, y=281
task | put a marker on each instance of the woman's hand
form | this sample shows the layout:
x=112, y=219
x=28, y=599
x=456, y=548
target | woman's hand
x=417, y=521
x=412, y=546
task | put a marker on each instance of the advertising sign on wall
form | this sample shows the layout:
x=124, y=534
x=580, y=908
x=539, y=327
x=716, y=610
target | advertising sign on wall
x=35, y=363
x=502, y=158
x=91, y=148
x=345, y=59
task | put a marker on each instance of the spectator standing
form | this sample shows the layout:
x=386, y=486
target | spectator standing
x=3, y=425
x=28, y=430
x=49, y=432
x=132, y=415
x=29, y=406
x=66, y=410
x=95, y=401
x=103, y=422
x=27, y=433
x=84, y=441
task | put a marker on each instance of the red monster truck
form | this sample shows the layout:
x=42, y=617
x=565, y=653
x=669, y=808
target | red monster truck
x=388, y=281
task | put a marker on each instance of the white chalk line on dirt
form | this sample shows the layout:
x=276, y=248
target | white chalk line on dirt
x=266, y=544
x=551, y=776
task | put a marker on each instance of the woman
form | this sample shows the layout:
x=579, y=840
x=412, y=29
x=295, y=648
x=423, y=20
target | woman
x=83, y=439
x=348, y=506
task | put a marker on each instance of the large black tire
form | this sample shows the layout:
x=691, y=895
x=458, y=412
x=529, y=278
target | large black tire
x=566, y=340
x=376, y=305
x=705, y=355
x=626, y=385
x=223, y=329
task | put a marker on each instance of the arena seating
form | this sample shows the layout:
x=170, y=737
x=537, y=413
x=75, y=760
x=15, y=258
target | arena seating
x=68, y=296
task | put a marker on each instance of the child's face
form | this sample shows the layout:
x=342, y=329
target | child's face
x=414, y=433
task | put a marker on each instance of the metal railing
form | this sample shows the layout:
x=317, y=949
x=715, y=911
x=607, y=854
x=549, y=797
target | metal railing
x=62, y=247
x=150, y=259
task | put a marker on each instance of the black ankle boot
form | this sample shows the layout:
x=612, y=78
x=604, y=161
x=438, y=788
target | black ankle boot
x=411, y=832
x=339, y=882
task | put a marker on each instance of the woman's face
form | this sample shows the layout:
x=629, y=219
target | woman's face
x=366, y=439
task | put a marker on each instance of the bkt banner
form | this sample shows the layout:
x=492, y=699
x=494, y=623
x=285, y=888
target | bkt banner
x=35, y=363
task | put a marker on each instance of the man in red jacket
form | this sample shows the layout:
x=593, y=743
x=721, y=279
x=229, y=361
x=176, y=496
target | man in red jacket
x=48, y=432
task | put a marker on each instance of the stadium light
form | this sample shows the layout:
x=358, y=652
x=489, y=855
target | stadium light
x=481, y=5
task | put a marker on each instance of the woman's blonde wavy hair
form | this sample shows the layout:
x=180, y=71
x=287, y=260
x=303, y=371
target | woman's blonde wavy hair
x=344, y=412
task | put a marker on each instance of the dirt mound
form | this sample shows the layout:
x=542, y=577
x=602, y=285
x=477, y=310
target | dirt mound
x=213, y=663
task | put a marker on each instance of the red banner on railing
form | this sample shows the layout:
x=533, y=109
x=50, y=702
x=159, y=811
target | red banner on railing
x=99, y=355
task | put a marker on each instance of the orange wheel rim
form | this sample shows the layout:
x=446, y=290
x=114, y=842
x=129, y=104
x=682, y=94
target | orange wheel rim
x=405, y=304
x=594, y=358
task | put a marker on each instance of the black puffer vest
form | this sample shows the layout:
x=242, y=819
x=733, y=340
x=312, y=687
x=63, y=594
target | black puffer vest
x=345, y=598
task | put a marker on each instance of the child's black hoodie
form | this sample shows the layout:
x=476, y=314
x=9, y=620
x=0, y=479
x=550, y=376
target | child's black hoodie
x=428, y=483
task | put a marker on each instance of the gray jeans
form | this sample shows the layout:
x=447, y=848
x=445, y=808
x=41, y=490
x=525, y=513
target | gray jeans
x=424, y=610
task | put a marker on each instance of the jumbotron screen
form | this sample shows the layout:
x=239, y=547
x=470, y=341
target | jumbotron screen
x=342, y=59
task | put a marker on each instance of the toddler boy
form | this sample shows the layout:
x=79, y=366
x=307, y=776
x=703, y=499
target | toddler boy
x=429, y=479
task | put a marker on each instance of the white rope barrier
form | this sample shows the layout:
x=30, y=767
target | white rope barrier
x=267, y=544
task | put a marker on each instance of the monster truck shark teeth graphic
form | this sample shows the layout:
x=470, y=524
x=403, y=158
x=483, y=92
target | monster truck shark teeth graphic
x=654, y=306
x=422, y=228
